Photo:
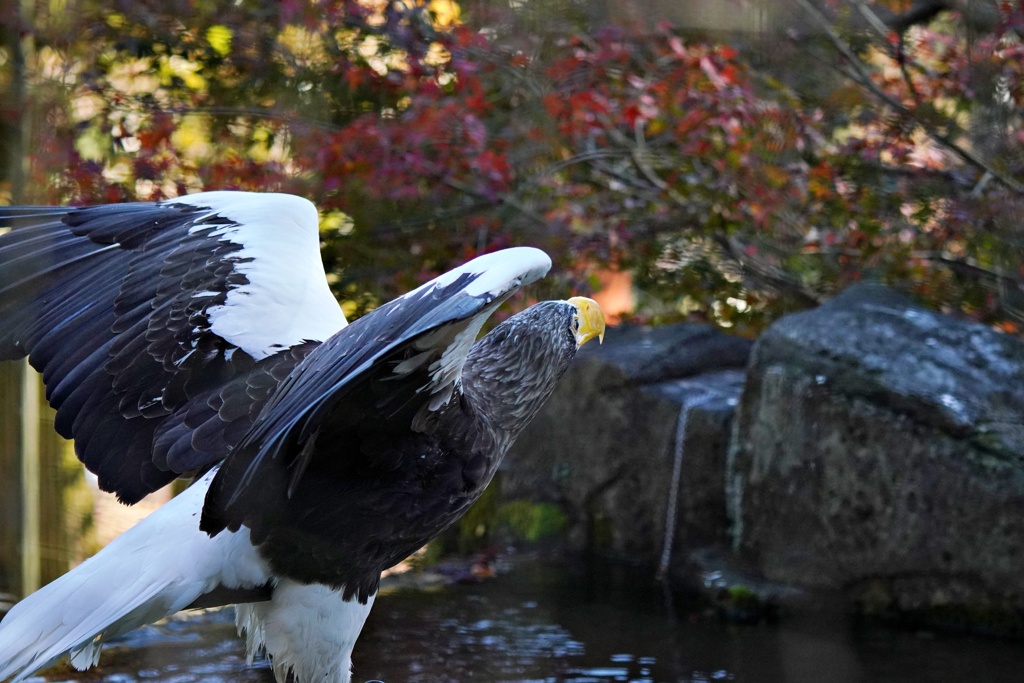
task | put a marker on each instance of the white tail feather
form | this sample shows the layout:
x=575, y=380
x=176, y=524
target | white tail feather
x=154, y=569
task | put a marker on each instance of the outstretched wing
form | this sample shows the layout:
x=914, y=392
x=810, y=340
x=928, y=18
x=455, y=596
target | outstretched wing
x=160, y=329
x=398, y=365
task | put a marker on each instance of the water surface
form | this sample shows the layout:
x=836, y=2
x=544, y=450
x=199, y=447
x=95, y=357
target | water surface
x=560, y=622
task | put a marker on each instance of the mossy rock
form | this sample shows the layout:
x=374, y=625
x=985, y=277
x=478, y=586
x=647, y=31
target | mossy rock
x=490, y=520
x=739, y=604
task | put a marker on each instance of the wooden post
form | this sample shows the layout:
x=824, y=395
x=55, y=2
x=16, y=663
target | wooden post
x=10, y=480
x=46, y=505
x=28, y=429
x=30, y=480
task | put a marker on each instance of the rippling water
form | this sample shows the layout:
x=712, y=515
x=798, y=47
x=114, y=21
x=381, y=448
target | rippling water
x=561, y=623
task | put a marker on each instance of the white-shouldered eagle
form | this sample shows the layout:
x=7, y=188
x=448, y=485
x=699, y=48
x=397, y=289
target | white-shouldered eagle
x=198, y=337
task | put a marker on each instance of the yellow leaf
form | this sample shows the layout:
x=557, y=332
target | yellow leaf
x=177, y=66
x=219, y=38
x=336, y=221
x=446, y=13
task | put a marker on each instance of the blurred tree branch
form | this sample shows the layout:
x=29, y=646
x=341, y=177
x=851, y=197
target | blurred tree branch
x=858, y=73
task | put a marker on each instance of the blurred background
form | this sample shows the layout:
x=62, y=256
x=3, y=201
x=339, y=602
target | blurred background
x=715, y=173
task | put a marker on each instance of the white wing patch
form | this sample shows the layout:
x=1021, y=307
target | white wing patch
x=446, y=371
x=287, y=300
x=499, y=272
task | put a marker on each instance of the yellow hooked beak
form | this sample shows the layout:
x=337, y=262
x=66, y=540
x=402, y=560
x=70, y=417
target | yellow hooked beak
x=589, y=320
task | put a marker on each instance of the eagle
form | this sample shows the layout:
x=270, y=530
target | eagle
x=197, y=337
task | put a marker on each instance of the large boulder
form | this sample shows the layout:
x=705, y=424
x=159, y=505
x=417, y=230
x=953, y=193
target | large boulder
x=605, y=447
x=879, y=448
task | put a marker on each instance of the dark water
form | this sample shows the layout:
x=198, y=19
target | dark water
x=563, y=624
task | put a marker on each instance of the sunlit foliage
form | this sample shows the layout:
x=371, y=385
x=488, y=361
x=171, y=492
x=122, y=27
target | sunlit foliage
x=736, y=179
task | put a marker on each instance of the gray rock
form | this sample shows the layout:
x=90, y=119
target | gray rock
x=879, y=448
x=604, y=447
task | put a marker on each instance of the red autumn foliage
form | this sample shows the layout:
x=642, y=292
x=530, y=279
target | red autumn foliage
x=733, y=189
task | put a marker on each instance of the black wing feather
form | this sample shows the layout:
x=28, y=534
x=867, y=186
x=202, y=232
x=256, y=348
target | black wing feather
x=353, y=369
x=111, y=305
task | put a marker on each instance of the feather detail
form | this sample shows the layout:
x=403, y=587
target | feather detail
x=307, y=630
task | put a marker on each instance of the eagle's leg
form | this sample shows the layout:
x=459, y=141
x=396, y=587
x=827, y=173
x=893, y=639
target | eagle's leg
x=306, y=630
